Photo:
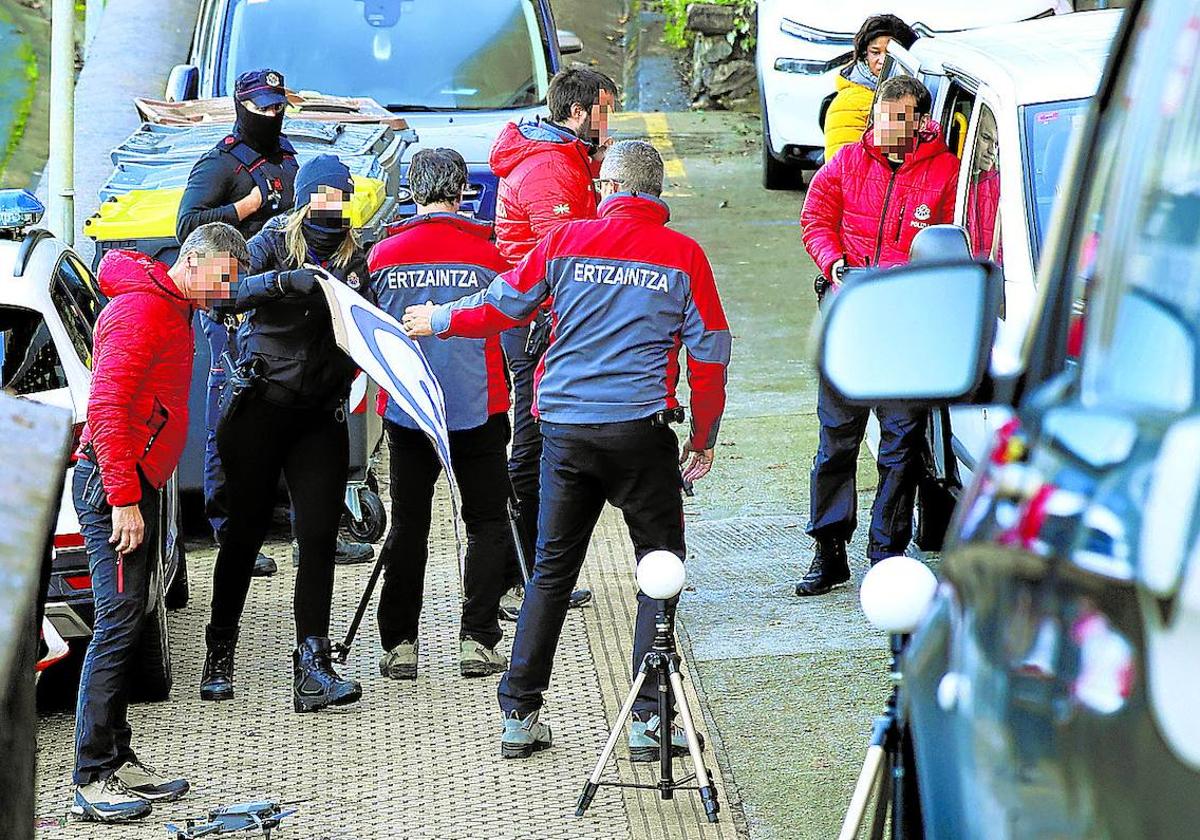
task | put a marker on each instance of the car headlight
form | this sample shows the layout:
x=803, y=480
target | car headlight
x=815, y=36
x=811, y=68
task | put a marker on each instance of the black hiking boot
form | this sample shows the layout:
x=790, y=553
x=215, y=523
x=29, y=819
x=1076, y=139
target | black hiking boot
x=316, y=684
x=217, y=680
x=829, y=569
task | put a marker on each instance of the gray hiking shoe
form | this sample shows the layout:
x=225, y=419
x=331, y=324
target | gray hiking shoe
x=644, y=740
x=149, y=784
x=400, y=663
x=108, y=800
x=477, y=660
x=510, y=603
x=524, y=736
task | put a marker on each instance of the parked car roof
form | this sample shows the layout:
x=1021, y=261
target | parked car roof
x=1045, y=60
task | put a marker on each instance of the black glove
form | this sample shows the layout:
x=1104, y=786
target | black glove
x=300, y=281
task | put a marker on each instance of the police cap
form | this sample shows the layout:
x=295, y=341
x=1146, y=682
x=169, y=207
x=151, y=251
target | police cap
x=262, y=87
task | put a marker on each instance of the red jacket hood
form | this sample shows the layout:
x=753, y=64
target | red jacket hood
x=929, y=144
x=122, y=272
x=518, y=141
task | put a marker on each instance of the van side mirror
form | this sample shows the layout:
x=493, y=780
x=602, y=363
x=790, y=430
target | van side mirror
x=569, y=43
x=918, y=334
x=183, y=84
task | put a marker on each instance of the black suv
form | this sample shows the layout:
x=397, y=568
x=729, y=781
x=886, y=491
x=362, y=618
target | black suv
x=1052, y=688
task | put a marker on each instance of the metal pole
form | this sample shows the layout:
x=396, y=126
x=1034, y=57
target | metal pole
x=62, y=121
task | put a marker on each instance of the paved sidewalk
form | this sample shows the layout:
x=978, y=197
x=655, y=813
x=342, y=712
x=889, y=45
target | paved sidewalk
x=412, y=760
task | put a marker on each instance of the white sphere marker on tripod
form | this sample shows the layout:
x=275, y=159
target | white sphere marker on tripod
x=660, y=575
x=896, y=593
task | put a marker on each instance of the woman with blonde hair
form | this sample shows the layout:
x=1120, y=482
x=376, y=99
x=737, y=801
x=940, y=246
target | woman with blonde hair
x=283, y=414
x=848, y=113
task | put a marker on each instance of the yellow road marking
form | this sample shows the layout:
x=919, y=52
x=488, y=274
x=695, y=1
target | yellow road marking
x=656, y=127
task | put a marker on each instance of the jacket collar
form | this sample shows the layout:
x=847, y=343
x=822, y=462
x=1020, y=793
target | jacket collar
x=472, y=226
x=627, y=205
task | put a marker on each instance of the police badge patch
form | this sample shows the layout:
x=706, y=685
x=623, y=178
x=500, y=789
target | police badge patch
x=352, y=280
x=274, y=80
x=922, y=213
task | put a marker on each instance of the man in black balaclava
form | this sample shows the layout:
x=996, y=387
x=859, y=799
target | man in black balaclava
x=243, y=181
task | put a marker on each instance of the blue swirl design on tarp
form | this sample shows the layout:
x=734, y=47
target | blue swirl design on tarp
x=368, y=323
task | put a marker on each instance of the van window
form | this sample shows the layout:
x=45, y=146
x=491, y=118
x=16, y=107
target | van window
x=29, y=362
x=1139, y=252
x=982, y=214
x=960, y=102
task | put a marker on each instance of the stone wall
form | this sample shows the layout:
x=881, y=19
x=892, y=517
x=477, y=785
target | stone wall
x=723, y=74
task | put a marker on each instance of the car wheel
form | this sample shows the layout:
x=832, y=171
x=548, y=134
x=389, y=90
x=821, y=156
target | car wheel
x=373, y=525
x=776, y=174
x=152, y=669
x=18, y=723
x=935, y=507
x=178, y=594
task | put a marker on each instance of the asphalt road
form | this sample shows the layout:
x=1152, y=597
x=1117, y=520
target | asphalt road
x=791, y=684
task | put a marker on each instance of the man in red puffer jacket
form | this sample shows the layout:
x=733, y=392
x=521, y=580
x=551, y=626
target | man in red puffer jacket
x=132, y=442
x=863, y=209
x=546, y=170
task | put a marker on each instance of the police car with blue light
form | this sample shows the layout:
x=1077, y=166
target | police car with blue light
x=49, y=303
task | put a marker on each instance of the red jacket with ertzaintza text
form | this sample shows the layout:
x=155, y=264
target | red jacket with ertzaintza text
x=861, y=209
x=626, y=292
x=141, y=375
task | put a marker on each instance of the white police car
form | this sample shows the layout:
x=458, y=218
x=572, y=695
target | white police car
x=803, y=45
x=49, y=303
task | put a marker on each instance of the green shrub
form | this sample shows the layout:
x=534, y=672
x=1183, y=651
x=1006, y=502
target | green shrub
x=676, y=11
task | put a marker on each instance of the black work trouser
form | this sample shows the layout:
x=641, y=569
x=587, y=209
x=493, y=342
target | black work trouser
x=524, y=462
x=478, y=458
x=635, y=467
x=311, y=448
x=833, y=495
x=121, y=589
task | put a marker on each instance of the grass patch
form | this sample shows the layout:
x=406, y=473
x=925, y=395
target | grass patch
x=26, y=149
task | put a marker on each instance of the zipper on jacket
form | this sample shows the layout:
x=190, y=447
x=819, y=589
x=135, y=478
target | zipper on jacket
x=887, y=198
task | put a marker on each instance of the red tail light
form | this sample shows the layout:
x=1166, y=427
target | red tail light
x=78, y=581
x=68, y=540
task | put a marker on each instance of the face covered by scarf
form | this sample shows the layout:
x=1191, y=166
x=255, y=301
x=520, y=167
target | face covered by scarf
x=325, y=230
x=259, y=130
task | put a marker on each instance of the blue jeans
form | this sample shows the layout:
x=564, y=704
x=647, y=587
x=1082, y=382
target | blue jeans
x=216, y=506
x=833, y=496
x=635, y=467
x=102, y=732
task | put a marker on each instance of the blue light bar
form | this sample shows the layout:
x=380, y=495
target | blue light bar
x=19, y=209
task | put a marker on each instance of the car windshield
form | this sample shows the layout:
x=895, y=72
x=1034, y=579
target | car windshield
x=405, y=54
x=1048, y=131
x=29, y=362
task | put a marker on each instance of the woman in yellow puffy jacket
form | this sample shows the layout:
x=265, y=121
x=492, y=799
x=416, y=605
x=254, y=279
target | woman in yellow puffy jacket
x=846, y=118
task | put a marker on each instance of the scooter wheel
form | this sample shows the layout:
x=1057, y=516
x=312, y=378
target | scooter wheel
x=373, y=525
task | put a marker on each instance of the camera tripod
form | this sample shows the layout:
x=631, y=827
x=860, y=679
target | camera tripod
x=663, y=660
x=888, y=771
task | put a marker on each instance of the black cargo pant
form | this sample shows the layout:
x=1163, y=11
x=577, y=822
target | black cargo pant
x=478, y=458
x=310, y=447
x=833, y=495
x=635, y=467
